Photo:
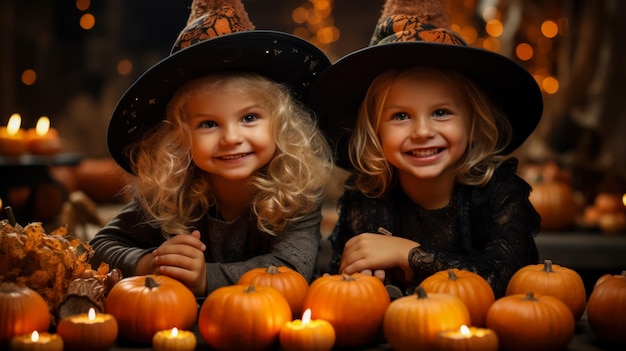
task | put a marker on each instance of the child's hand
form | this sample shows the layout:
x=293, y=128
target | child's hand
x=370, y=251
x=378, y=273
x=182, y=258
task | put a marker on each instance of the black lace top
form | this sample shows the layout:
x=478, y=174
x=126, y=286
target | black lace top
x=487, y=230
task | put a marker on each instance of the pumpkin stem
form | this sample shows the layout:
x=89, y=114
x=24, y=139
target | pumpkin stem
x=530, y=297
x=250, y=289
x=623, y=274
x=421, y=293
x=451, y=275
x=151, y=283
x=547, y=266
x=346, y=276
x=271, y=269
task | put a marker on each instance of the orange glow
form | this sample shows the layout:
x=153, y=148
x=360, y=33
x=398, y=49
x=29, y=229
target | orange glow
x=29, y=77
x=469, y=33
x=124, y=67
x=550, y=85
x=328, y=35
x=492, y=44
x=524, y=51
x=83, y=5
x=494, y=28
x=549, y=29
x=87, y=21
x=299, y=15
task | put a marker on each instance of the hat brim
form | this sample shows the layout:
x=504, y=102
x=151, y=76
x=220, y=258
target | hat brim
x=339, y=91
x=279, y=56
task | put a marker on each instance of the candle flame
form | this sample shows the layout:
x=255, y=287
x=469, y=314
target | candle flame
x=465, y=330
x=43, y=125
x=14, y=124
x=624, y=199
x=91, y=314
x=174, y=331
x=306, y=316
x=34, y=337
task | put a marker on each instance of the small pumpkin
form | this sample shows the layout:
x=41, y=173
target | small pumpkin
x=88, y=331
x=413, y=322
x=22, y=311
x=551, y=279
x=605, y=309
x=145, y=304
x=307, y=334
x=354, y=304
x=555, y=203
x=239, y=317
x=289, y=282
x=470, y=287
x=531, y=322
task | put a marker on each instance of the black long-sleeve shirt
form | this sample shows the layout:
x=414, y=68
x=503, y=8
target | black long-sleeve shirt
x=488, y=230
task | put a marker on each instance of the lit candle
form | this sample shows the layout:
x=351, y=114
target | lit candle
x=36, y=342
x=43, y=139
x=307, y=334
x=468, y=338
x=88, y=331
x=12, y=137
x=173, y=340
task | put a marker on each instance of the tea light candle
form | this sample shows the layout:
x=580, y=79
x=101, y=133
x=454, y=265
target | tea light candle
x=12, y=137
x=173, y=340
x=43, y=139
x=88, y=331
x=468, y=338
x=36, y=342
x=307, y=334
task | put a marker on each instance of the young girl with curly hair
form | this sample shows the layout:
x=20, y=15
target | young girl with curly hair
x=233, y=176
x=425, y=125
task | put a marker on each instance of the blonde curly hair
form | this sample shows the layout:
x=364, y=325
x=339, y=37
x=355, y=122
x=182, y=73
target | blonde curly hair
x=489, y=134
x=173, y=193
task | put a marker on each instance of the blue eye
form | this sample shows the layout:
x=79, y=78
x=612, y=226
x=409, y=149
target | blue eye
x=208, y=124
x=440, y=113
x=250, y=118
x=401, y=116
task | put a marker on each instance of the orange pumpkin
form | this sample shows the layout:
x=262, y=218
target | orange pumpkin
x=307, y=334
x=555, y=203
x=238, y=317
x=413, y=322
x=551, y=279
x=531, y=322
x=605, y=309
x=289, y=282
x=88, y=331
x=354, y=304
x=470, y=287
x=146, y=304
x=22, y=311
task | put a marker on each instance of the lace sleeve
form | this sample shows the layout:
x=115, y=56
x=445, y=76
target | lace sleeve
x=496, y=226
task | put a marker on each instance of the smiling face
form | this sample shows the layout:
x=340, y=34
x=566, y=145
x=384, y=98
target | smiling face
x=424, y=126
x=231, y=133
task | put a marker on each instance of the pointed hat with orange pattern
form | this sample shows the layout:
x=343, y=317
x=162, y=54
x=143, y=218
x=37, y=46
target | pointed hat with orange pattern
x=218, y=36
x=411, y=33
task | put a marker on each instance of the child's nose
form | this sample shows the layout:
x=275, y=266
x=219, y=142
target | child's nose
x=231, y=135
x=422, y=128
